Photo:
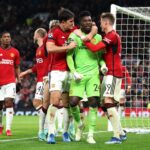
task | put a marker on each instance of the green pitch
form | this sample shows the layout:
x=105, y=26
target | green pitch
x=25, y=131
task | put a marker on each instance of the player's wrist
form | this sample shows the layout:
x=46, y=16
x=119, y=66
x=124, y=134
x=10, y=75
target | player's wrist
x=82, y=37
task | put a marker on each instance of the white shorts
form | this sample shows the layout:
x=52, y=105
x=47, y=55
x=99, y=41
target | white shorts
x=111, y=87
x=7, y=91
x=122, y=93
x=59, y=81
x=39, y=91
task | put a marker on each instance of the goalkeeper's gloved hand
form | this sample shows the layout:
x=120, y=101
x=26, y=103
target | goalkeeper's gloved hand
x=77, y=76
x=104, y=69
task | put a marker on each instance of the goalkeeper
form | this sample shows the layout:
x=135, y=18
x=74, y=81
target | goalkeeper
x=84, y=66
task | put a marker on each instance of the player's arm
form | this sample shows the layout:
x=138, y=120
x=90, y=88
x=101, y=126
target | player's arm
x=89, y=36
x=17, y=65
x=51, y=44
x=94, y=48
x=17, y=72
x=109, y=40
x=28, y=71
x=70, y=61
x=52, y=48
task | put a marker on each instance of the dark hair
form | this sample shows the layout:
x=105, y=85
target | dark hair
x=4, y=32
x=108, y=16
x=65, y=14
x=84, y=14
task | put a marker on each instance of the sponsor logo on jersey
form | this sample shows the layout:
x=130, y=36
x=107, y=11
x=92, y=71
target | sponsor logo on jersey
x=12, y=54
x=50, y=36
x=7, y=61
x=107, y=40
x=39, y=52
x=39, y=60
x=93, y=40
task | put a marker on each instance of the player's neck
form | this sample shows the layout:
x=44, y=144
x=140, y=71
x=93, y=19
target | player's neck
x=62, y=27
x=40, y=42
x=109, y=29
x=84, y=31
x=5, y=46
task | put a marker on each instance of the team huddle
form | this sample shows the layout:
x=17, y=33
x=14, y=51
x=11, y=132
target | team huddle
x=69, y=63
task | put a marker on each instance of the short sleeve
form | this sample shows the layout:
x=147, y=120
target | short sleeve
x=51, y=36
x=17, y=58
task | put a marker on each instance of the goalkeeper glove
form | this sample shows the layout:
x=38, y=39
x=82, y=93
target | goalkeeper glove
x=77, y=76
x=104, y=69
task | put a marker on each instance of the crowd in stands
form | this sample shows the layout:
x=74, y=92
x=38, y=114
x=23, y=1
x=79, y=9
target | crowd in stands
x=21, y=18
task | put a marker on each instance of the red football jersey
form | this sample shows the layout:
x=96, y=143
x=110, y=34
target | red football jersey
x=9, y=58
x=112, y=56
x=58, y=60
x=41, y=67
x=126, y=80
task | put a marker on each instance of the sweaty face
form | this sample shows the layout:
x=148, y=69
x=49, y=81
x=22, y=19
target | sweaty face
x=6, y=39
x=68, y=25
x=86, y=24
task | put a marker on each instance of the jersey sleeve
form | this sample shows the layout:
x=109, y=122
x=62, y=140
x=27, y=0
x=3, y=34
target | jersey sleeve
x=34, y=69
x=51, y=36
x=95, y=47
x=72, y=37
x=70, y=61
x=17, y=58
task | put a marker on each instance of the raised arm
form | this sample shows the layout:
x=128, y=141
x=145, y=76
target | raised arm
x=95, y=47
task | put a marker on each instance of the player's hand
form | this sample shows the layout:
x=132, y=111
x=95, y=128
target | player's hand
x=77, y=76
x=93, y=32
x=78, y=33
x=71, y=46
x=94, y=29
x=104, y=69
x=21, y=75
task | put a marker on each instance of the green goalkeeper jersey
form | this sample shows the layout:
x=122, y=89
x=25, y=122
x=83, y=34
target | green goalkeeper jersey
x=81, y=59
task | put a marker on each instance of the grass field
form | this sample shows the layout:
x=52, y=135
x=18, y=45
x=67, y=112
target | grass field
x=25, y=131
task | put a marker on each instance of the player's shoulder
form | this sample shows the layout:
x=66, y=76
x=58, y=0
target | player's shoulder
x=14, y=49
x=112, y=34
x=73, y=36
x=54, y=32
x=98, y=36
